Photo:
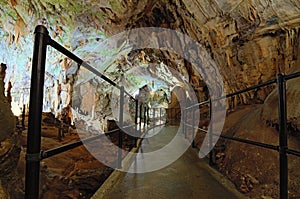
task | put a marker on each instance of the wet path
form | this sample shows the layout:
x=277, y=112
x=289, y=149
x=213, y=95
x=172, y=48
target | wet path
x=187, y=177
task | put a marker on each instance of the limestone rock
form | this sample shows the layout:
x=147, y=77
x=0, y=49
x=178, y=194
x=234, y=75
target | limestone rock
x=3, y=193
x=270, y=111
x=7, y=119
x=250, y=41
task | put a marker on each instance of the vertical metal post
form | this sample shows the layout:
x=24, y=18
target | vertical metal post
x=160, y=122
x=185, y=129
x=211, y=162
x=154, y=118
x=282, y=113
x=136, y=111
x=141, y=112
x=145, y=115
x=136, y=122
x=59, y=131
x=121, y=126
x=23, y=116
x=35, y=113
x=193, y=128
x=184, y=121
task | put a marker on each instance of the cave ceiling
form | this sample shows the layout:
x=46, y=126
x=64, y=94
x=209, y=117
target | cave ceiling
x=112, y=16
x=249, y=16
x=228, y=29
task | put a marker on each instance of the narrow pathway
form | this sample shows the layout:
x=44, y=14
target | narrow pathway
x=187, y=177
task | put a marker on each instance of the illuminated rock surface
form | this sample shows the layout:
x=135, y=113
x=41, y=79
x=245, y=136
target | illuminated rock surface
x=251, y=41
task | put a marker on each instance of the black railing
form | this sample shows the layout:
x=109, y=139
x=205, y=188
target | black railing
x=282, y=148
x=34, y=153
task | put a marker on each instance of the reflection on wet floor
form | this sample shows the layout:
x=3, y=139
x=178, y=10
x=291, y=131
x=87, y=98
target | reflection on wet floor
x=187, y=177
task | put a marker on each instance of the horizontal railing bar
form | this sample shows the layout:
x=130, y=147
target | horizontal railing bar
x=202, y=129
x=93, y=70
x=239, y=139
x=268, y=146
x=247, y=89
x=64, y=148
x=194, y=127
x=198, y=104
x=287, y=77
x=292, y=76
x=293, y=152
x=128, y=126
x=67, y=147
x=236, y=93
x=79, y=61
x=64, y=51
x=111, y=132
x=127, y=93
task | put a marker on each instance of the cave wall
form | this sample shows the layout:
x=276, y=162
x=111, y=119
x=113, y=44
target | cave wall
x=9, y=143
x=7, y=119
x=251, y=41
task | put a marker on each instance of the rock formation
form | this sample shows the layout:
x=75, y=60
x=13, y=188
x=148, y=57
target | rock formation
x=9, y=144
x=7, y=119
x=251, y=41
x=270, y=113
x=229, y=31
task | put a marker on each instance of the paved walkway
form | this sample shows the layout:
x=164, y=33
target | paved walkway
x=187, y=177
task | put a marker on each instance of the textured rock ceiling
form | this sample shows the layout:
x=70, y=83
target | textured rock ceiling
x=250, y=40
x=255, y=17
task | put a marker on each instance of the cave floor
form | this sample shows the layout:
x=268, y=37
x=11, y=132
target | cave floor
x=187, y=177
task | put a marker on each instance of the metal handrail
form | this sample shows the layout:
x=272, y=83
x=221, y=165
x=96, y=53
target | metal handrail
x=80, y=62
x=293, y=152
x=67, y=147
x=283, y=146
x=34, y=153
x=236, y=93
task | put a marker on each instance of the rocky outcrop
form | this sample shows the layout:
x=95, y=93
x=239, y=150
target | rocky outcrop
x=7, y=119
x=270, y=110
x=251, y=41
x=9, y=144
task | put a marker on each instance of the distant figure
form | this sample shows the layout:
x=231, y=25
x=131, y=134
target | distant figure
x=144, y=103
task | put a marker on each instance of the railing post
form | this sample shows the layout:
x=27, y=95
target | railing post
x=136, y=122
x=145, y=115
x=153, y=119
x=211, y=162
x=136, y=111
x=23, y=116
x=282, y=113
x=59, y=135
x=184, y=121
x=193, y=129
x=121, y=126
x=141, y=112
x=35, y=113
x=160, y=122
